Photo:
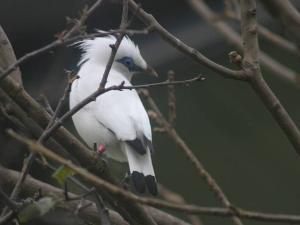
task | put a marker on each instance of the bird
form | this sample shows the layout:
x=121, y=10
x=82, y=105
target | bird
x=116, y=122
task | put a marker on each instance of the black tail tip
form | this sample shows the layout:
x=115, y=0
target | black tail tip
x=140, y=182
x=151, y=184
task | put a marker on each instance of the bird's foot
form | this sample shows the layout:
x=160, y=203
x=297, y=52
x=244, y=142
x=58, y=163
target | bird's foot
x=103, y=164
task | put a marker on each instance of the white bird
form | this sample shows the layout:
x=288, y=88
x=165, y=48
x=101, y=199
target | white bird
x=117, y=119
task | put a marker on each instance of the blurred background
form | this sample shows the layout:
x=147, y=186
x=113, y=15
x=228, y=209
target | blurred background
x=223, y=121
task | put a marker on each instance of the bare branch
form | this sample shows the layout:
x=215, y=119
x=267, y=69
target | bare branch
x=251, y=66
x=7, y=201
x=149, y=20
x=287, y=14
x=233, y=37
x=31, y=186
x=278, y=40
x=171, y=99
x=130, y=197
x=114, y=48
x=7, y=56
x=30, y=159
x=100, y=91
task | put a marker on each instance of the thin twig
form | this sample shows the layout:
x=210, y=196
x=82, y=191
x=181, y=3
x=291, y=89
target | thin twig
x=61, y=40
x=119, y=87
x=65, y=42
x=7, y=201
x=171, y=99
x=6, y=218
x=103, y=211
x=114, y=48
x=42, y=99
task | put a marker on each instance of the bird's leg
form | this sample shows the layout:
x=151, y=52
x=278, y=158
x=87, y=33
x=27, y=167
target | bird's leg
x=102, y=162
x=126, y=181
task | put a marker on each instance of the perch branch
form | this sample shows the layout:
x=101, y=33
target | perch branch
x=130, y=197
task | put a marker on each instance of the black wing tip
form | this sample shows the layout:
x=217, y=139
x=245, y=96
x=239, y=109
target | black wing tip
x=137, y=146
x=151, y=184
x=138, y=180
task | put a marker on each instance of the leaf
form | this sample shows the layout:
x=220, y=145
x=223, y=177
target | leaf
x=62, y=173
x=36, y=209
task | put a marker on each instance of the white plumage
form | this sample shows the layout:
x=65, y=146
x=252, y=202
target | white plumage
x=117, y=119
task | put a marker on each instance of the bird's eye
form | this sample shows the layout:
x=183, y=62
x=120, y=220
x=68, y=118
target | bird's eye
x=128, y=62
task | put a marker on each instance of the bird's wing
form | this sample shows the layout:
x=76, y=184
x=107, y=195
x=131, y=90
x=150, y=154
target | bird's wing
x=123, y=113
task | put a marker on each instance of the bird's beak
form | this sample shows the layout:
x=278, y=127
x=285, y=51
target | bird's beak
x=151, y=71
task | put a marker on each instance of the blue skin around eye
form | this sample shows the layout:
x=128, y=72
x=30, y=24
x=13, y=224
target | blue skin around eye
x=129, y=64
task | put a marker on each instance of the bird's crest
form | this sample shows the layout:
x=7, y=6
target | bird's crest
x=99, y=50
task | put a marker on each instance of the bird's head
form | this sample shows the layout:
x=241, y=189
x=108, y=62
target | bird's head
x=128, y=59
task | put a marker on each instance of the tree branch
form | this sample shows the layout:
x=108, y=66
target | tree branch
x=7, y=57
x=32, y=186
x=286, y=13
x=130, y=197
x=283, y=72
x=251, y=66
x=149, y=20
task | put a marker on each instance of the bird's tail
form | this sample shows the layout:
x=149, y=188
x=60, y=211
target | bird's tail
x=141, y=170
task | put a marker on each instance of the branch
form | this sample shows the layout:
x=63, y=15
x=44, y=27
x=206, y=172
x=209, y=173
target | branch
x=7, y=201
x=132, y=198
x=286, y=13
x=7, y=56
x=251, y=66
x=114, y=48
x=65, y=42
x=278, y=40
x=32, y=185
x=43, y=137
x=149, y=20
x=234, y=14
x=283, y=72
x=101, y=91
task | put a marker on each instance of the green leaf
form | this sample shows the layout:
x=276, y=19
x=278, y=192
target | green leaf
x=36, y=209
x=62, y=173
